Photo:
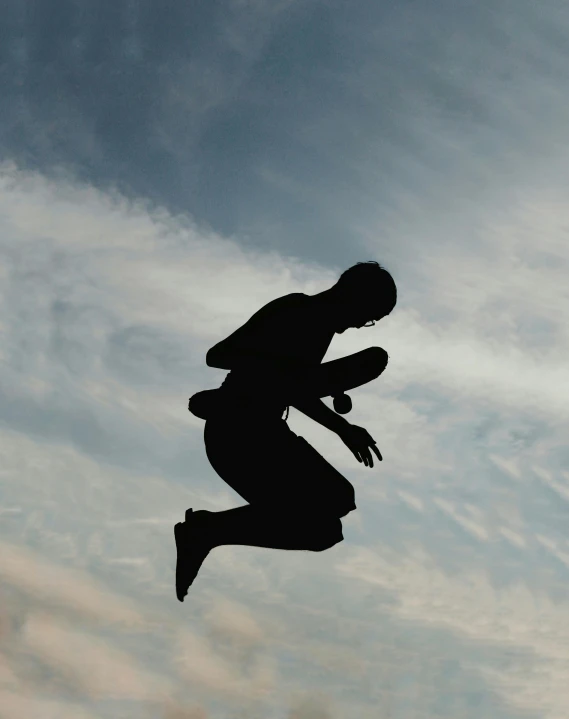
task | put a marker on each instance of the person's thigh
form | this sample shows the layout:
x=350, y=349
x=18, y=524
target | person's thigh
x=268, y=464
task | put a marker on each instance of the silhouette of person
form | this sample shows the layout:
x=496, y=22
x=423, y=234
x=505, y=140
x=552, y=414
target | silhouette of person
x=295, y=497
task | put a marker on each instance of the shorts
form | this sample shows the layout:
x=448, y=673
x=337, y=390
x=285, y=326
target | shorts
x=268, y=464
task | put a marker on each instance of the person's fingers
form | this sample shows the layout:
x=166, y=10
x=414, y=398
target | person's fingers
x=366, y=456
x=376, y=450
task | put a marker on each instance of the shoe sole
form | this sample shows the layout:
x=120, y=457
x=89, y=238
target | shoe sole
x=178, y=539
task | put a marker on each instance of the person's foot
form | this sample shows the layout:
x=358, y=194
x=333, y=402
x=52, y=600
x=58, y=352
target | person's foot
x=192, y=548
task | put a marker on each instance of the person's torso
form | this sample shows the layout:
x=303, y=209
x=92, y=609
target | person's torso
x=287, y=328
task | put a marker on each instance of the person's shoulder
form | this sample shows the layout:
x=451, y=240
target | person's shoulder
x=281, y=308
x=293, y=299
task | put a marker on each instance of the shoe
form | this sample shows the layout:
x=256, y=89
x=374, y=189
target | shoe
x=192, y=548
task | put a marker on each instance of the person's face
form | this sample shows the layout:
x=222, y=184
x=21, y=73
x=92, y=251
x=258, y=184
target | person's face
x=342, y=310
x=355, y=318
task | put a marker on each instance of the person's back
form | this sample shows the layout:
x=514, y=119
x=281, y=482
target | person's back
x=282, y=335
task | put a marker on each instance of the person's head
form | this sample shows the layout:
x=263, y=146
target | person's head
x=364, y=292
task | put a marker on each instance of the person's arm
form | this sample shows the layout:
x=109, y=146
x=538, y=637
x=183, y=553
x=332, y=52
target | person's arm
x=277, y=372
x=222, y=356
x=315, y=408
x=249, y=345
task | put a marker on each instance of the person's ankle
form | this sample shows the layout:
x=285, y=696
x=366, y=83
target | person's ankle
x=206, y=526
x=203, y=516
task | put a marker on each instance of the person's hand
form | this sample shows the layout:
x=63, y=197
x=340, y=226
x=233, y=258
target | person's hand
x=359, y=441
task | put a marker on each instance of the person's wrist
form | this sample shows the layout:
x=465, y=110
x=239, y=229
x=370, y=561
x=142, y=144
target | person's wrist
x=341, y=425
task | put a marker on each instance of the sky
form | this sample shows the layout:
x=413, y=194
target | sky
x=167, y=168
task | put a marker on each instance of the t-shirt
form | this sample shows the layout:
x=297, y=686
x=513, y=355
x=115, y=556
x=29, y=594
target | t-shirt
x=287, y=334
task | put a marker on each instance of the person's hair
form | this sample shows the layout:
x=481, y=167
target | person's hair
x=372, y=283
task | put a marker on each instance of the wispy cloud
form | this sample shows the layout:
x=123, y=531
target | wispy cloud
x=140, y=269
x=168, y=172
x=73, y=590
x=95, y=668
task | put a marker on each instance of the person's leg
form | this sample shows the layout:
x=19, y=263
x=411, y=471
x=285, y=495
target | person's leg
x=282, y=477
x=270, y=527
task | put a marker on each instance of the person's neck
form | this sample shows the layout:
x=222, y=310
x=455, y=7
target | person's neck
x=325, y=304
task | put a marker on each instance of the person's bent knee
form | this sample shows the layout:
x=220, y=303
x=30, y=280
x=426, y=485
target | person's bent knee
x=344, y=500
x=313, y=513
x=323, y=546
x=328, y=541
x=346, y=509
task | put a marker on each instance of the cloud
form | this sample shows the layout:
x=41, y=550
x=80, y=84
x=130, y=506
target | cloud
x=90, y=664
x=512, y=537
x=234, y=660
x=71, y=589
x=508, y=466
x=301, y=139
x=126, y=280
x=311, y=707
x=178, y=712
x=14, y=706
x=560, y=488
x=412, y=501
x=8, y=677
x=234, y=622
x=475, y=529
x=515, y=617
